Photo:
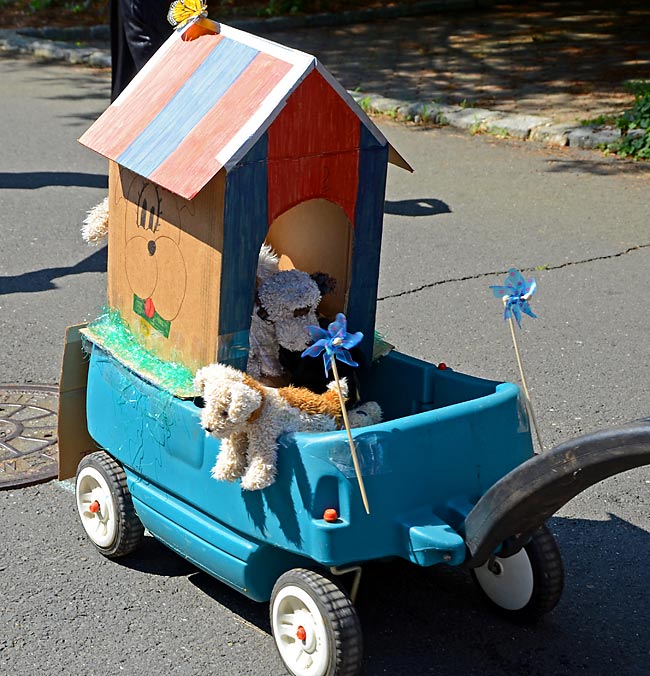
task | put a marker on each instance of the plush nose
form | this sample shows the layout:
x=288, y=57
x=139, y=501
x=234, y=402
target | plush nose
x=151, y=247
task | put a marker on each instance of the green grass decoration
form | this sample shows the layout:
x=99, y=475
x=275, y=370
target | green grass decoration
x=114, y=335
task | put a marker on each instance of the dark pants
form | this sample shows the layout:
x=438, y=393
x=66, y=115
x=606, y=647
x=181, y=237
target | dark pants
x=138, y=28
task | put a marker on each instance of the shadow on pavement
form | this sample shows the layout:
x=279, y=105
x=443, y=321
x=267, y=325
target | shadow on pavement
x=43, y=280
x=416, y=207
x=30, y=180
x=153, y=558
x=432, y=620
x=599, y=167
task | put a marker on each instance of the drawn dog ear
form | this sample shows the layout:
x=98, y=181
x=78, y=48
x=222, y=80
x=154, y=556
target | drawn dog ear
x=325, y=283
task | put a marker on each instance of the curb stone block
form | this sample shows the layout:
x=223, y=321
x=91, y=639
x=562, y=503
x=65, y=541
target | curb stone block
x=439, y=113
x=411, y=111
x=44, y=50
x=471, y=118
x=552, y=134
x=590, y=137
x=518, y=126
x=100, y=59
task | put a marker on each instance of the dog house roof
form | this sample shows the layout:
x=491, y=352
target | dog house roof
x=199, y=105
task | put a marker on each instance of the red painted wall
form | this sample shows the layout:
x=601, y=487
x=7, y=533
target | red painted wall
x=313, y=150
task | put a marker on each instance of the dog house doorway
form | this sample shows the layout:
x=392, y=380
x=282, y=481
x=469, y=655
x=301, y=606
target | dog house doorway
x=316, y=236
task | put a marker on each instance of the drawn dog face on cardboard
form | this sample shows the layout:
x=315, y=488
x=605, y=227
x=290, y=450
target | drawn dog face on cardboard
x=155, y=267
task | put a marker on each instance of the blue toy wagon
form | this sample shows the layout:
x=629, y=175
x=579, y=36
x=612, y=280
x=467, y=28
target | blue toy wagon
x=224, y=142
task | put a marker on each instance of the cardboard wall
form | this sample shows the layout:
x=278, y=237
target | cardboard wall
x=316, y=236
x=164, y=265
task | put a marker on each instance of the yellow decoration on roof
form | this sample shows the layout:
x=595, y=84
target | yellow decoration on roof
x=182, y=11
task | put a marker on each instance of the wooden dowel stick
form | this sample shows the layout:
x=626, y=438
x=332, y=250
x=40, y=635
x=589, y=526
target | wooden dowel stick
x=529, y=403
x=353, y=449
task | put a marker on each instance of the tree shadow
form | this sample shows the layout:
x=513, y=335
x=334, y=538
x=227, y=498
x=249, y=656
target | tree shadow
x=525, y=56
x=599, y=167
x=425, y=206
x=31, y=180
x=43, y=280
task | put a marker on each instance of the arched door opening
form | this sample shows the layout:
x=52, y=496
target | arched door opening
x=316, y=236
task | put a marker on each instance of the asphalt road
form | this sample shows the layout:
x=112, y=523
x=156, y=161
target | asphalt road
x=474, y=207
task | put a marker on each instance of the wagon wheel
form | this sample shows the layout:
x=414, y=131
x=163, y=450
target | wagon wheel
x=526, y=585
x=315, y=626
x=105, y=506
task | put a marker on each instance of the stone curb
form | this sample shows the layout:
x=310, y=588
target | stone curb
x=54, y=44
x=534, y=128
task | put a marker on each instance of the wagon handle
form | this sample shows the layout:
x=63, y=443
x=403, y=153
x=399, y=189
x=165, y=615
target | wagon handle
x=532, y=492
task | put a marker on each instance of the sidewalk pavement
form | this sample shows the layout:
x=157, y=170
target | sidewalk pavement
x=531, y=71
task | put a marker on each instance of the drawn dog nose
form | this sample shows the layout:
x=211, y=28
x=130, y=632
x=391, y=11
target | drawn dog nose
x=151, y=247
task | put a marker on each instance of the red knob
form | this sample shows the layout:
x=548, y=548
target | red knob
x=94, y=507
x=330, y=515
x=301, y=634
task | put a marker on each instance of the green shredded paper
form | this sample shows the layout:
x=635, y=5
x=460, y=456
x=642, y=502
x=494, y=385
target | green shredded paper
x=112, y=334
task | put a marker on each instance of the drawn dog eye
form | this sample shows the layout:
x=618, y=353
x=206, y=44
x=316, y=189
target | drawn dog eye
x=302, y=311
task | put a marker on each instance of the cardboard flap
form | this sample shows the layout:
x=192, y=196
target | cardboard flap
x=74, y=440
x=396, y=159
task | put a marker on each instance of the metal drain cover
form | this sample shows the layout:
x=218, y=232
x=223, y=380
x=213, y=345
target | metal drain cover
x=28, y=434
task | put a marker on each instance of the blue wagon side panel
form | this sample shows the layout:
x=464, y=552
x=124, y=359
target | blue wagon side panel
x=416, y=468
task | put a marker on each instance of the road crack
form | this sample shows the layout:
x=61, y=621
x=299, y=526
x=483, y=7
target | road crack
x=543, y=268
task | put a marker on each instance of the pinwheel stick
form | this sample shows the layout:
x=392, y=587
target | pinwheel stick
x=346, y=422
x=529, y=403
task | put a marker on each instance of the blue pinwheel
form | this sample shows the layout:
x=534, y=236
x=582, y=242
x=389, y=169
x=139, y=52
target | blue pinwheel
x=335, y=341
x=515, y=293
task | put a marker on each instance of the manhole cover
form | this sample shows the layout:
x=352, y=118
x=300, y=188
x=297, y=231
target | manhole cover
x=28, y=442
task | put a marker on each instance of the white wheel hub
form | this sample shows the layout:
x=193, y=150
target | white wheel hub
x=299, y=632
x=508, y=582
x=96, y=507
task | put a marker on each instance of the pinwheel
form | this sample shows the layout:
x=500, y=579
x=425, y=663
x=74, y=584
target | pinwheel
x=515, y=294
x=335, y=343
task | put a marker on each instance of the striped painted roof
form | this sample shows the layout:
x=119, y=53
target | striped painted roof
x=199, y=105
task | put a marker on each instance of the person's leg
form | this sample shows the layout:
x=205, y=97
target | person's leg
x=146, y=27
x=122, y=65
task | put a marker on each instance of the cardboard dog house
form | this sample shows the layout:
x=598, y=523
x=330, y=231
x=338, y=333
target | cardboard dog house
x=223, y=141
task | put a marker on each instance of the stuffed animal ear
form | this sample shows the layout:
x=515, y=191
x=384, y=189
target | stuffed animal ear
x=325, y=283
x=343, y=383
x=200, y=378
x=95, y=225
x=268, y=263
x=244, y=401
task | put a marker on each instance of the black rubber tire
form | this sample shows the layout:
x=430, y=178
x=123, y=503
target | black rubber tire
x=545, y=561
x=129, y=531
x=342, y=628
